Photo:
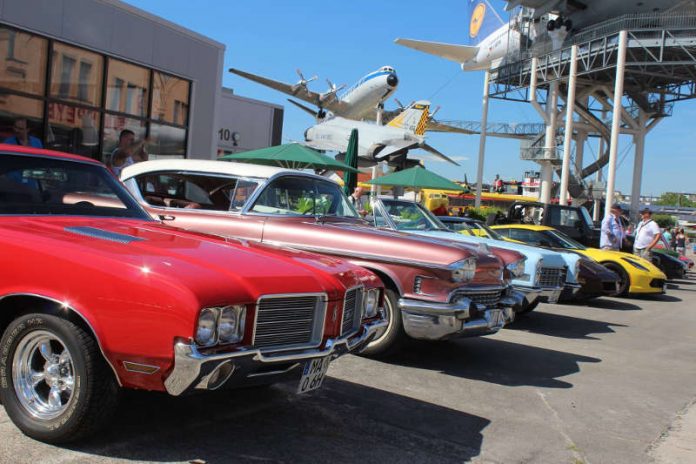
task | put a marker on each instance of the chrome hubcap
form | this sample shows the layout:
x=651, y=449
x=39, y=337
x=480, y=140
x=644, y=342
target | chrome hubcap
x=386, y=314
x=43, y=375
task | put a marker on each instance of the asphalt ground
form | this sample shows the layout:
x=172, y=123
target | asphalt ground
x=603, y=383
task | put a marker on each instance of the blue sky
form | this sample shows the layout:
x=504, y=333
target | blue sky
x=345, y=40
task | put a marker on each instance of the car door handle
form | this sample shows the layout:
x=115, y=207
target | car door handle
x=166, y=217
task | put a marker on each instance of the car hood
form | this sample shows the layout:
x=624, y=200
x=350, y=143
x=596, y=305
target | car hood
x=212, y=268
x=620, y=256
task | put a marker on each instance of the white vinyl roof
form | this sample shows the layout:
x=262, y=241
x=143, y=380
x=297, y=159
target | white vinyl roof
x=207, y=166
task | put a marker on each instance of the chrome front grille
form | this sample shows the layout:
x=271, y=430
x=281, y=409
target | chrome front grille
x=352, y=311
x=552, y=277
x=289, y=321
x=488, y=299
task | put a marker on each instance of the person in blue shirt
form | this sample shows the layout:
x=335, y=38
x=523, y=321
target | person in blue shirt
x=612, y=230
x=22, y=137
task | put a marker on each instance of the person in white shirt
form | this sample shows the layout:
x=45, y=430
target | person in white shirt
x=647, y=235
x=612, y=230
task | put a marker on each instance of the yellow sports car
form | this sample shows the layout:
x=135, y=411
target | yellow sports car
x=636, y=275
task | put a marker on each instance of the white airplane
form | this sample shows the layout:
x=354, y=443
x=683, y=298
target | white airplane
x=490, y=36
x=493, y=38
x=358, y=102
x=376, y=143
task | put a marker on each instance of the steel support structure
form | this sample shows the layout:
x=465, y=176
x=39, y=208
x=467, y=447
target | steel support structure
x=482, y=140
x=570, y=116
x=616, y=120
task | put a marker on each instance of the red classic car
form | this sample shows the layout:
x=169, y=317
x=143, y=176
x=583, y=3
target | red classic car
x=95, y=295
x=435, y=289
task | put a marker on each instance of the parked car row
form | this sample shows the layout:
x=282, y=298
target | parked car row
x=203, y=275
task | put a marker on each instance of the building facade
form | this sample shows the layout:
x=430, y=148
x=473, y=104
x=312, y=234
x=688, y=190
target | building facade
x=77, y=80
x=247, y=124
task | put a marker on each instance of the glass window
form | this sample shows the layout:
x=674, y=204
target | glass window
x=294, y=196
x=38, y=185
x=113, y=125
x=73, y=129
x=526, y=236
x=76, y=74
x=167, y=141
x=21, y=120
x=177, y=190
x=170, y=99
x=22, y=61
x=133, y=99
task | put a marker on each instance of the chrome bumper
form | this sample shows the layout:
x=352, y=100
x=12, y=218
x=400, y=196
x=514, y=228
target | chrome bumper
x=194, y=370
x=439, y=321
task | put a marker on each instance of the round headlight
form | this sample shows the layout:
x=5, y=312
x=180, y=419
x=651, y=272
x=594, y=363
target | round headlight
x=517, y=268
x=206, y=333
x=371, y=302
x=231, y=325
x=464, y=271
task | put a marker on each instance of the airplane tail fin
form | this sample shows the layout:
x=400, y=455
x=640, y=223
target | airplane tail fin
x=414, y=118
x=483, y=20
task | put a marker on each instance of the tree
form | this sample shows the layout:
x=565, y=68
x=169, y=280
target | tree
x=674, y=199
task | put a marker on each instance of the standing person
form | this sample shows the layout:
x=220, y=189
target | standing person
x=612, y=230
x=21, y=135
x=357, y=201
x=647, y=235
x=673, y=240
x=667, y=234
x=498, y=184
x=681, y=242
x=126, y=143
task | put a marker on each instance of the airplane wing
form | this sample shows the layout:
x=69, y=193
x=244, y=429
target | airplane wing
x=326, y=145
x=436, y=126
x=429, y=149
x=302, y=93
x=457, y=53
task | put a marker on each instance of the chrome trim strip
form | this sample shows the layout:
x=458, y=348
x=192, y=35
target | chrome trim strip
x=368, y=257
x=139, y=368
x=278, y=372
x=63, y=304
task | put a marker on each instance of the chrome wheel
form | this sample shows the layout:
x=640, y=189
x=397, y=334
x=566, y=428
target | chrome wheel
x=43, y=375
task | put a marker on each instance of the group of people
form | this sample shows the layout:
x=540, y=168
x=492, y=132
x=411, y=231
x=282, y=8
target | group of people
x=127, y=152
x=647, y=234
x=677, y=240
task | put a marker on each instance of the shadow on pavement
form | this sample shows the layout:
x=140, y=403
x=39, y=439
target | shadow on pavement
x=613, y=304
x=557, y=325
x=665, y=298
x=496, y=361
x=341, y=422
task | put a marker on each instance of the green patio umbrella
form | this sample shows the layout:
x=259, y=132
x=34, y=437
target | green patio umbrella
x=289, y=156
x=350, y=178
x=417, y=178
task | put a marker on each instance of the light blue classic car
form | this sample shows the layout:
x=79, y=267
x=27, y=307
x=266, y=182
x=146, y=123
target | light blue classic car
x=546, y=275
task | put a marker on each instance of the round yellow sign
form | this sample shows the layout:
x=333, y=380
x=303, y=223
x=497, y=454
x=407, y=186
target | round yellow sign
x=477, y=20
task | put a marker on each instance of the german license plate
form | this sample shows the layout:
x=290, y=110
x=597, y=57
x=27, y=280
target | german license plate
x=497, y=317
x=313, y=374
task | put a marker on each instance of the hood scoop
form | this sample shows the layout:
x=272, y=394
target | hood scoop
x=103, y=234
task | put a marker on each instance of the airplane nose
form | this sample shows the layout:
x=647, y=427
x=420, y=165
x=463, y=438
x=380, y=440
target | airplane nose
x=392, y=80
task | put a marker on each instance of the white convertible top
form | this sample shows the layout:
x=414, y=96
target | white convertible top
x=207, y=166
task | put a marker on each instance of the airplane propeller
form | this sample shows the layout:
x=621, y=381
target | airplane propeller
x=330, y=94
x=302, y=83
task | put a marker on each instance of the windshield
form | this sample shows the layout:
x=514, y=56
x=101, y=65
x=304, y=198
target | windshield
x=586, y=216
x=475, y=229
x=407, y=215
x=561, y=240
x=34, y=185
x=297, y=196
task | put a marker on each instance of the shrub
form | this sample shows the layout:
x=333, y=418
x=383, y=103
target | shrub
x=664, y=220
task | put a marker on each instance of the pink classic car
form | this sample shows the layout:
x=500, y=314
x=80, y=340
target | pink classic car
x=435, y=290
x=96, y=296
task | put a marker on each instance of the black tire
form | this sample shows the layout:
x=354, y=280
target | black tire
x=624, y=278
x=528, y=308
x=394, y=337
x=94, y=395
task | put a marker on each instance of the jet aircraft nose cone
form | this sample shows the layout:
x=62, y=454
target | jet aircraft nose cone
x=392, y=80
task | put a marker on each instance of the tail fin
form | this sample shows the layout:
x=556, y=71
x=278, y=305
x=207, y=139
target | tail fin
x=414, y=118
x=483, y=20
